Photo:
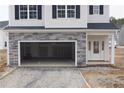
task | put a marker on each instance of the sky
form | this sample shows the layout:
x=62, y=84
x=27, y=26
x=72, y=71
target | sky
x=115, y=11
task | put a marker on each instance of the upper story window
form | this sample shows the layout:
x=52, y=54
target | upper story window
x=66, y=11
x=28, y=12
x=96, y=9
x=71, y=11
x=33, y=12
x=61, y=11
x=23, y=12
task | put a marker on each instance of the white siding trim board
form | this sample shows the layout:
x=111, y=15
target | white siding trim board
x=8, y=62
x=86, y=48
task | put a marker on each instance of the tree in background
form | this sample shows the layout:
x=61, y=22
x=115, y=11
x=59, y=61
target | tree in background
x=120, y=21
x=115, y=21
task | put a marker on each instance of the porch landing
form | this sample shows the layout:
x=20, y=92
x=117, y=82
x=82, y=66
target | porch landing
x=98, y=63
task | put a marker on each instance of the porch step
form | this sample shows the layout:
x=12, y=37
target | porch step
x=99, y=65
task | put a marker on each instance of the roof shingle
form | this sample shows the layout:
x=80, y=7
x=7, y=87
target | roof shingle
x=3, y=24
x=101, y=26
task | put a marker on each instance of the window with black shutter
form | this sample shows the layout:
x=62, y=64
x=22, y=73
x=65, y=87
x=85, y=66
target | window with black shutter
x=16, y=12
x=65, y=11
x=28, y=12
x=54, y=11
x=71, y=11
x=61, y=11
x=77, y=11
x=101, y=9
x=96, y=9
x=91, y=9
x=33, y=12
x=39, y=11
x=23, y=11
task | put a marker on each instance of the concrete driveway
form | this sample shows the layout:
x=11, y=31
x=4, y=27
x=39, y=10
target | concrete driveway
x=33, y=77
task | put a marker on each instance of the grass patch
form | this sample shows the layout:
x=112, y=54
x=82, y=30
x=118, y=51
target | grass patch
x=3, y=60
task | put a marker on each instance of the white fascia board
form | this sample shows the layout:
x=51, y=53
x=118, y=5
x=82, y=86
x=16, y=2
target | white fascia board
x=46, y=30
x=102, y=30
x=62, y=30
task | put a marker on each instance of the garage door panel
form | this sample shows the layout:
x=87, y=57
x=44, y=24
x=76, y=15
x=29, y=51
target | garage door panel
x=26, y=52
x=62, y=51
x=49, y=50
x=43, y=51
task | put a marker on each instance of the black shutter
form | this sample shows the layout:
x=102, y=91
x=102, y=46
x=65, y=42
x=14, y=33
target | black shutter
x=53, y=11
x=16, y=12
x=77, y=11
x=91, y=9
x=39, y=11
x=101, y=9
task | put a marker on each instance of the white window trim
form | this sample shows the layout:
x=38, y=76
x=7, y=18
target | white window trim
x=28, y=16
x=65, y=12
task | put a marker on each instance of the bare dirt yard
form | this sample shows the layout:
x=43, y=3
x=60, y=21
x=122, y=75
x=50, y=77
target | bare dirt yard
x=104, y=77
x=3, y=60
x=119, y=57
x=107, y=77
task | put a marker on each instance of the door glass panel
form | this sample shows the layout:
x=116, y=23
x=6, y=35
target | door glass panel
x=89, y=45
x=96, y=47
x=102, y=45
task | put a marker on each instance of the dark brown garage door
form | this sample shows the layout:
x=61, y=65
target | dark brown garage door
x=47, y=50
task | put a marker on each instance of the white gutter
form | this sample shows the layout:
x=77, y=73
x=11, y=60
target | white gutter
x=59, y=30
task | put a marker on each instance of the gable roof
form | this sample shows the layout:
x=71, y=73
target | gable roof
x=3, y=24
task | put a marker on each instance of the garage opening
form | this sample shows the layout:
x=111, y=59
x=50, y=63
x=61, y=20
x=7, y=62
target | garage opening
x=47, y=53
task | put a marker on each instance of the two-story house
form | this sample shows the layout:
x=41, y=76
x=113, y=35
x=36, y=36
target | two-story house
x=53, y=35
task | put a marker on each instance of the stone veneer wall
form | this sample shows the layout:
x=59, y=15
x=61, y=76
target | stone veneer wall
x=15, y=37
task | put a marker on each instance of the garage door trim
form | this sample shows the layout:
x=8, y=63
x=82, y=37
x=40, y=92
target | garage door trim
x=74, y=41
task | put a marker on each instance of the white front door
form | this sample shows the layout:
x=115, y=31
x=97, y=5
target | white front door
x=96, y=49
